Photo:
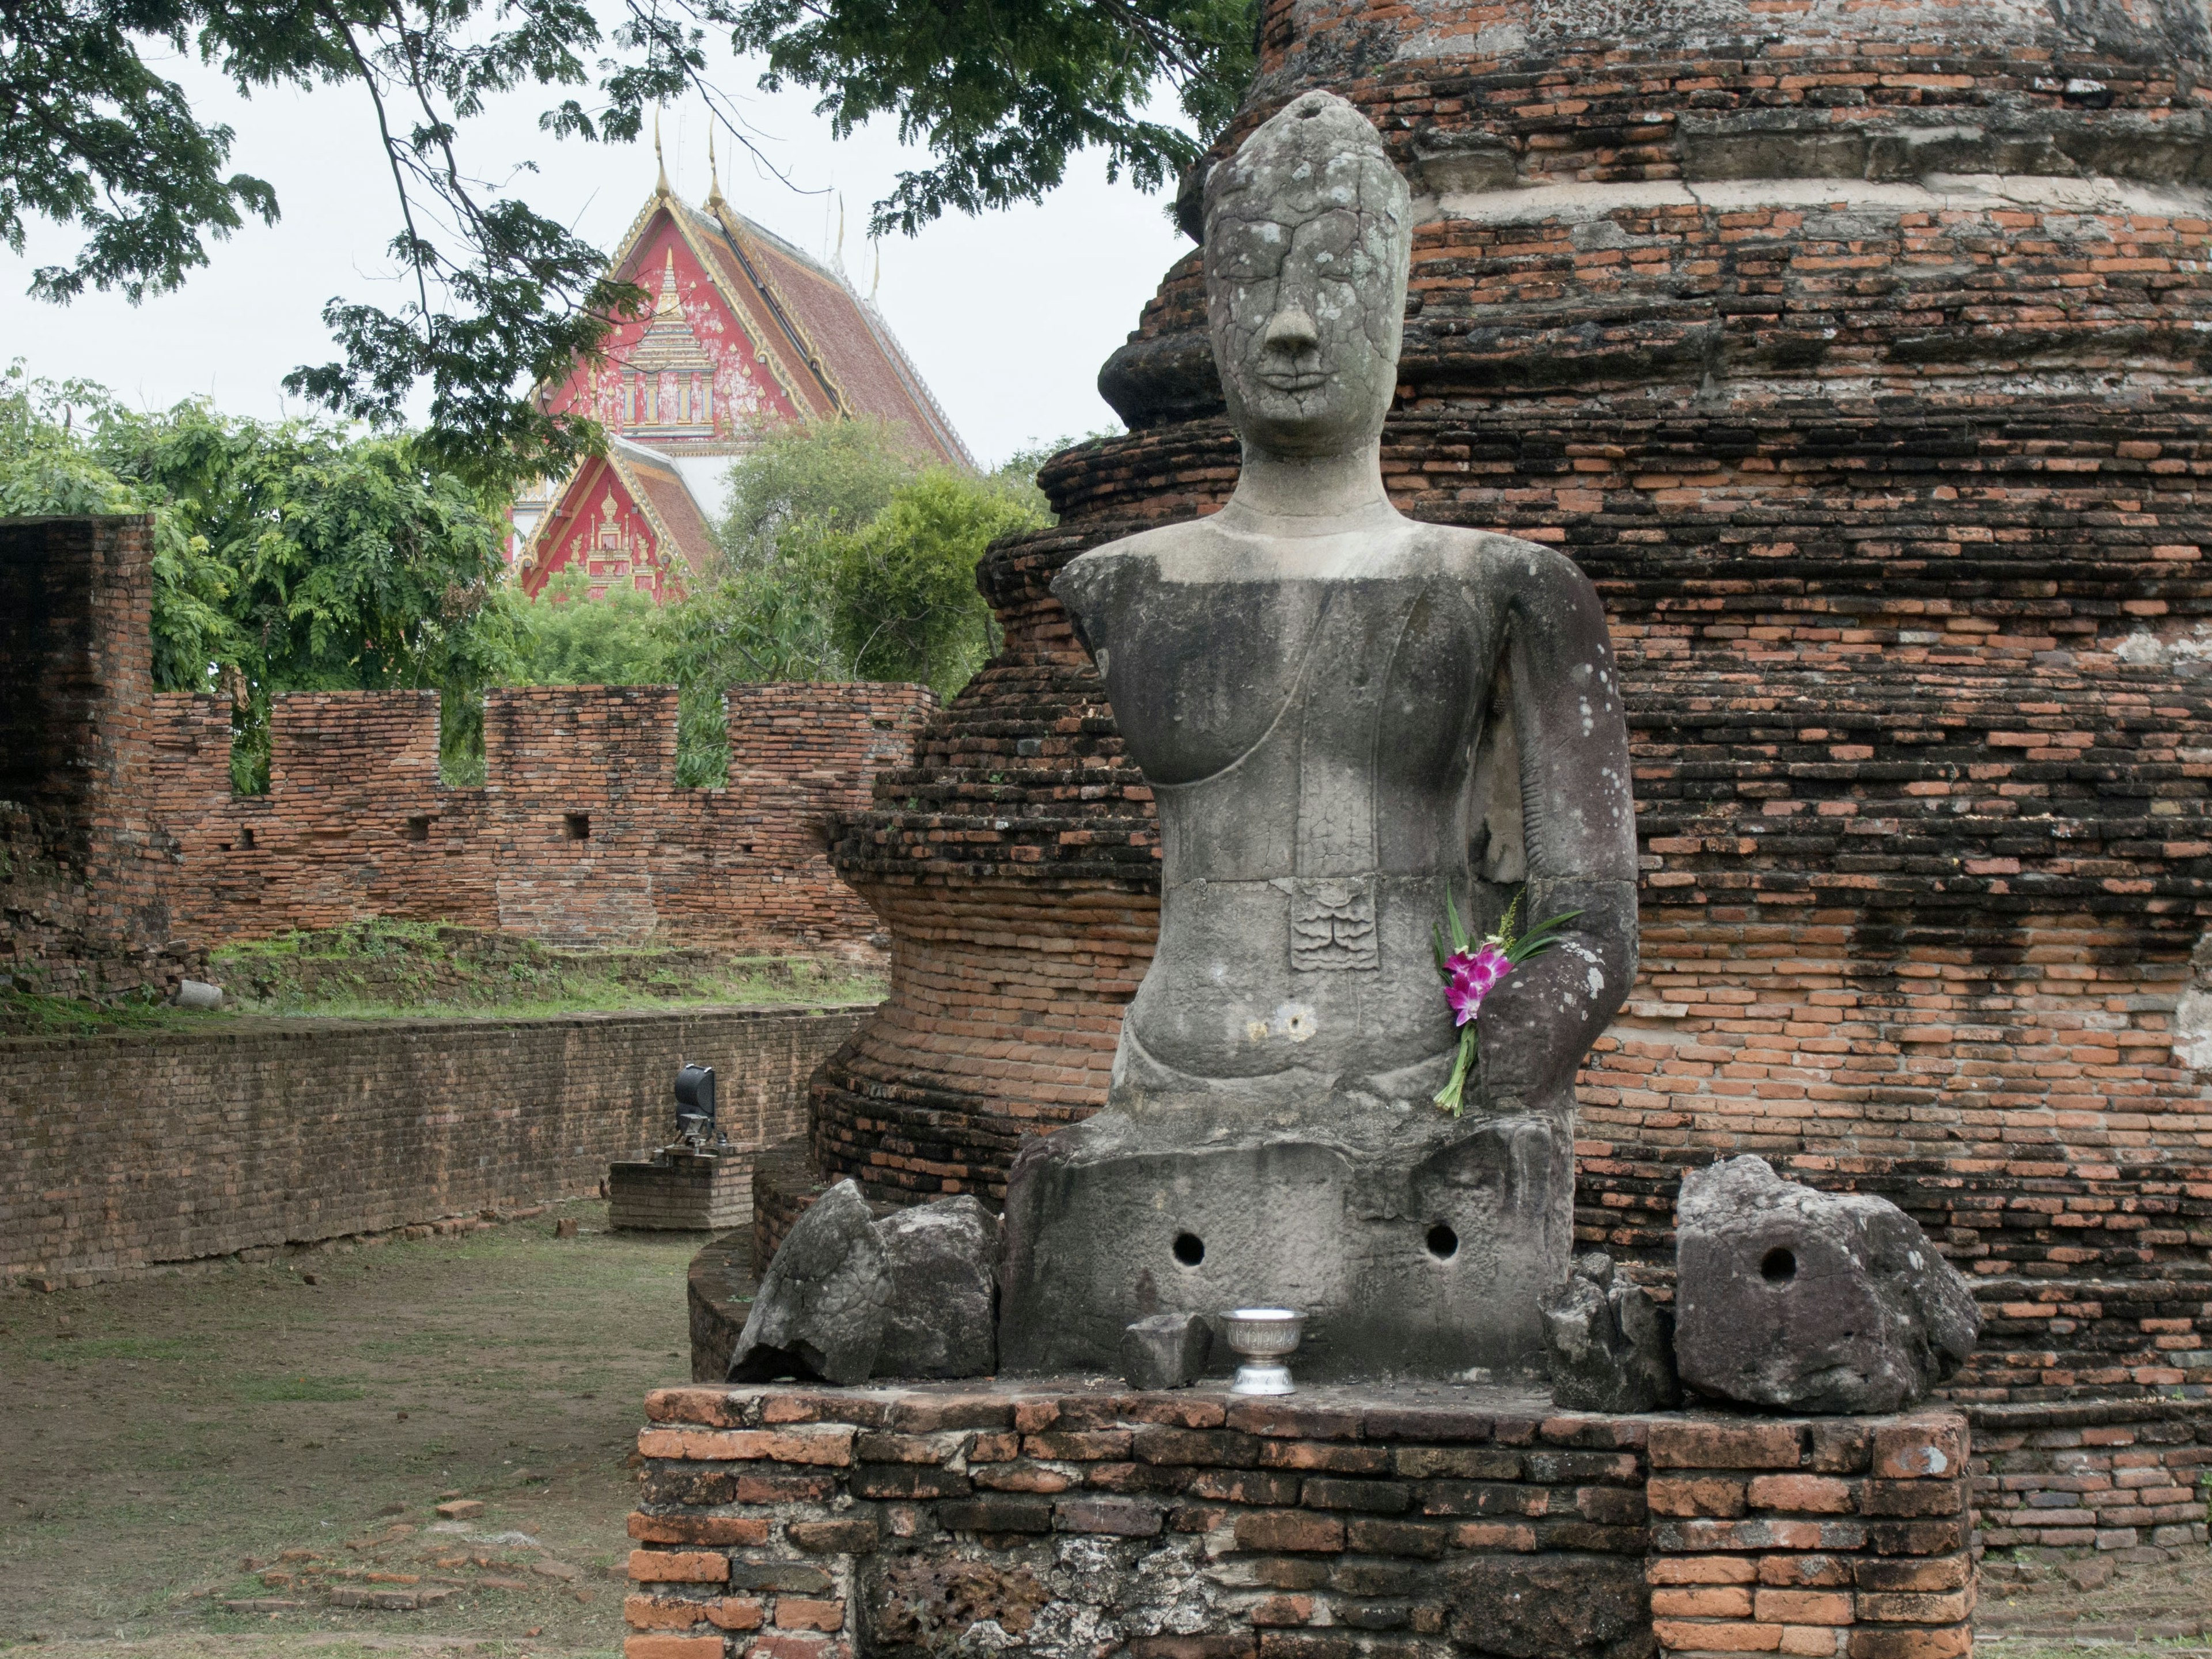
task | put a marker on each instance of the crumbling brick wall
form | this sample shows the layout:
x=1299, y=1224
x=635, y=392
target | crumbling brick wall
x=813, y=1523
x=579, y=835
x=84, y=865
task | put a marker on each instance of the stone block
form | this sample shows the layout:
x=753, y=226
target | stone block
x=1165, y=1351
x=1793, y=1299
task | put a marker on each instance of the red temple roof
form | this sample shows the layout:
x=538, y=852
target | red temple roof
x=744, y=330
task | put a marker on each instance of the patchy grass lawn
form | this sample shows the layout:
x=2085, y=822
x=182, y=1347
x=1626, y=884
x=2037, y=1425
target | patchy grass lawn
x=178, y=1447
x=404, y=970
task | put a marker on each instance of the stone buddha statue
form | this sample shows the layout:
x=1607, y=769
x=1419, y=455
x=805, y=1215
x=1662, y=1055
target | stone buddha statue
x=1345, y=716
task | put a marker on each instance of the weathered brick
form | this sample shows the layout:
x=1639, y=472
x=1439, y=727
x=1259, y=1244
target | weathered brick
x=1119, y=1517
x=698, y=1528
x=1282, y=1530
x=1696, y=1445
x=997, y=1512
x=678, y=1567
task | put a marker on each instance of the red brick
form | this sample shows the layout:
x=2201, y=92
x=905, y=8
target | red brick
x=1813, y=1494
x=1805, y=1606
x=1680, y=1638
x=1288, y=1530
x=678, y=1567
x=672, y=1647
x=1709, y=1601
x=800, y=1612
x=1724, y=1446
x=698, y=1528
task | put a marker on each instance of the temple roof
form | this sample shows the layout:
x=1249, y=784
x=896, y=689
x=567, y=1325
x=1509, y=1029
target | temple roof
x=785, y=337
x=832, y=351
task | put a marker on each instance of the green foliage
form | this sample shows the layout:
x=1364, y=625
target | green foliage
x=571, y=639
x=800, y=484
x=288, y=556
x=1003, y=94
x=497, y=296
x=842, y=558
x=46, y=468
x=901, y=592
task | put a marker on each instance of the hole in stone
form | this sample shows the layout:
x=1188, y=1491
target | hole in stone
x=1443, y=1243
x=1778, y=1265
x=578, y=825
x=418, y=828
x=1189, y=1250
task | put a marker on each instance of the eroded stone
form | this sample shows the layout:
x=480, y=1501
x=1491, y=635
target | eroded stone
x=1809, y=1301
x=1609, y=1345
x=818, y=1315
x=1165, y=1351
x=941, y=1316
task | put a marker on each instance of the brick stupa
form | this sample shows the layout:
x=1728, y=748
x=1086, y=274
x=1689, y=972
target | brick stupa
x=1856, y=353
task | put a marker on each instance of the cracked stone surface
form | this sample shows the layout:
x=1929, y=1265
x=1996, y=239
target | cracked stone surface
x=1802, y=1300
x=1611, y=1347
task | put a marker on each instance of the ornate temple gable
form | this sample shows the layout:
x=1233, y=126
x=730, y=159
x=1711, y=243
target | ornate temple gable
x=743, y=331
x=625, y=519
x=687, y=374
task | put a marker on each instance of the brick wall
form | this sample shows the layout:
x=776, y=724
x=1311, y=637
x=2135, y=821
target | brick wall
x=83, y=864
x=2128, y=1477
x=121, y=1152
x=803, y=1524
x=579, y=835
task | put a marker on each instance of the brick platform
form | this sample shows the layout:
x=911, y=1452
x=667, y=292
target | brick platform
x=1370, y=1523
x=682, y=1192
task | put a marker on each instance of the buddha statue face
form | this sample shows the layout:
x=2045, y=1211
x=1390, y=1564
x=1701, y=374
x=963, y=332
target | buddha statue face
x=1307, y=232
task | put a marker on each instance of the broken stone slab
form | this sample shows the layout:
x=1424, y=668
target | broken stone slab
x=941, y=1317
x=1165, y=1351
x=1802, y=1300
x=849, y=1297
x=818, y=1315
x=1609, y=1345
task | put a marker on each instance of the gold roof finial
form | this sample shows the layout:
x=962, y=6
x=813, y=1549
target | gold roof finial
x=661, y=189
x=714, y=178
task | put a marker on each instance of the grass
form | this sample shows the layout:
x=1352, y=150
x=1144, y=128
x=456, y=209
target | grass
x=164, y=1433
x=416, y=970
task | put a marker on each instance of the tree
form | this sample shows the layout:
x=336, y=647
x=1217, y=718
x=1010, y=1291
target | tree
x=902, y=591
x=1004, y=93
x=1001, y=91
x=288, y=556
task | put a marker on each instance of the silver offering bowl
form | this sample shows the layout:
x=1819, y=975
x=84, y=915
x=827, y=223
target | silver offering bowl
x=1265, y=1337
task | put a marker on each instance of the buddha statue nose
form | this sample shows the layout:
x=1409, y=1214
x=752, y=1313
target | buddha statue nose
x=1291, y=331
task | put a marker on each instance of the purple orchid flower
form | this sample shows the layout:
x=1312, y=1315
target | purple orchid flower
x=1471, y=976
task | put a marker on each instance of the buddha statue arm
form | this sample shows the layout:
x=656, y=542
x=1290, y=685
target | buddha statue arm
x=1578, y=826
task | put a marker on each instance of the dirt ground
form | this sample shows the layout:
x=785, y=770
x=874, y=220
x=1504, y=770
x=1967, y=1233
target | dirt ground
x=305, y=1416
x=176, y=1450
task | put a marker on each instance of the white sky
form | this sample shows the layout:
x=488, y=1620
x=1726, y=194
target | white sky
x=1008, y=316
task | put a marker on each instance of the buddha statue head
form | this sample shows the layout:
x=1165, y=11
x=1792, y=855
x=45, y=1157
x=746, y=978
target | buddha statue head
x=1309, y=229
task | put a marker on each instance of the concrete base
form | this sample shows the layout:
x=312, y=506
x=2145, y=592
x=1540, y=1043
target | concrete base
x=682, y=1192
x=1063, y=1521
x=1415, y=1244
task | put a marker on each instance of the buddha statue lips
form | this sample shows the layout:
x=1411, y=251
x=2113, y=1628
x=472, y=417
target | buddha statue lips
x=1346, y=717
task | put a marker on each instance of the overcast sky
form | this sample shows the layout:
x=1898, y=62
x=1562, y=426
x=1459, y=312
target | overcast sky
x=1008, y=316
